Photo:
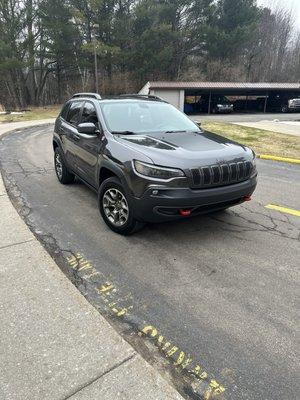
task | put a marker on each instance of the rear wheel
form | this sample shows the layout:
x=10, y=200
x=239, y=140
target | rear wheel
x=62, y=172
x=116, y=209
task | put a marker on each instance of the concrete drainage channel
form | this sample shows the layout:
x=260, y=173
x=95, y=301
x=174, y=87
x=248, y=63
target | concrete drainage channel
x=175, y=364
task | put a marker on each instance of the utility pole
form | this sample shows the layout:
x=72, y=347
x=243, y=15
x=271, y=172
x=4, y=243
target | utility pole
x=96, y=67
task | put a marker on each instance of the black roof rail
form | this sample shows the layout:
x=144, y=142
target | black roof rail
x=148, y=96
x=88, y=94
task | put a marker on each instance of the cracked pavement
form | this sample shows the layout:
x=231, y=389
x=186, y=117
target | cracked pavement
x=223, y=287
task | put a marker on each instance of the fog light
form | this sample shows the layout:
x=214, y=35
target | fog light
x=155, y=192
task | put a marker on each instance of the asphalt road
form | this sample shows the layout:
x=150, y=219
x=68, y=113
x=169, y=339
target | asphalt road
x=224, y=288
x=247, y=117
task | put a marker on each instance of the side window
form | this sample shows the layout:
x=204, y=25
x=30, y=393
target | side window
x=65, y=110
x=74, y=113
x=89, y=113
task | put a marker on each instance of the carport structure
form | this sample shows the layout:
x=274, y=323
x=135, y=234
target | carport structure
x=177, y=92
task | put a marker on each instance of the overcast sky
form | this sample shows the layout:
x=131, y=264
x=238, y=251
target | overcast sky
x=289, y=4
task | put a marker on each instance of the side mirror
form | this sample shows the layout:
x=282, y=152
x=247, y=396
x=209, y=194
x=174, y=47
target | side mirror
x=87, y=128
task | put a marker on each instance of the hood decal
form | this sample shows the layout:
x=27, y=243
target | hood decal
x=149, y=141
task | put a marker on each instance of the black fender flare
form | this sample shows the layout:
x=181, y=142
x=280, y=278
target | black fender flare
x=117, y=171
x=57, y=143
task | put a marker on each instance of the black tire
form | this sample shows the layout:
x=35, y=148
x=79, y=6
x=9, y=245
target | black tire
x=128, y=227
x=62, y=172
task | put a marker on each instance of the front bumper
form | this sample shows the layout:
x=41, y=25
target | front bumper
x=165, y=205
x=225, y=109
x=295, y=108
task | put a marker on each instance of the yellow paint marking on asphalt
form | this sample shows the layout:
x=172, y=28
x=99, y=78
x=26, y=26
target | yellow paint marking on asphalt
x=106, y=288
x=166, y=346
x=149, y=329
x=121, y=312
x=89, y=276
x=282, y=159
x=197, y=370
x=76, y=260
x=84, y=262
x=108, y=292
x=180, y=359
x=172, y=351
x=186, y=362
x=84, y=267
x=203, y=375
x=183, y=361
x=72, y=259
x=73, y=263
x=160, y=340
x=284, y=210
x=219, y=390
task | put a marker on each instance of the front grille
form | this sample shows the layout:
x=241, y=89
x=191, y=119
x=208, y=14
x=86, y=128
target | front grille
x=220, y=175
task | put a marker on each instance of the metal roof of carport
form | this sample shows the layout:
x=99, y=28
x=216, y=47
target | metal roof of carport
x=223, y=85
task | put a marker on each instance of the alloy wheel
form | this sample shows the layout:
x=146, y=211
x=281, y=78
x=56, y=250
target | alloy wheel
x=115, y=207
x=58, y=166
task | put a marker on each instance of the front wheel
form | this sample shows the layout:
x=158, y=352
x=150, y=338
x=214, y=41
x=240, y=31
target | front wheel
x=284, y=109
x=116, y=209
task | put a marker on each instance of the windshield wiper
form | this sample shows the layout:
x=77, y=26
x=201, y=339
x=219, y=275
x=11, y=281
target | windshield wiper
x=174, y=131
x=123, y=133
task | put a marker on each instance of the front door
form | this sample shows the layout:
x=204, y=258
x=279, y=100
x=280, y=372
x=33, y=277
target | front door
x=89, y=146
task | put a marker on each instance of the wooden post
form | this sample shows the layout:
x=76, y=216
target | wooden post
x=266, y=102
x=209, y=102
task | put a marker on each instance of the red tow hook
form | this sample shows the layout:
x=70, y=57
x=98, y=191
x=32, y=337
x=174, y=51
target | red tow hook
x=247, y=198
x=184, y=213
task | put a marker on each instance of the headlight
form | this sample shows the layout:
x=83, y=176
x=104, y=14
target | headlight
x=219, y=105
x=155, y=172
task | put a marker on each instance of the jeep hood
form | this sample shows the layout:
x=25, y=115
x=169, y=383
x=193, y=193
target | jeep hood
x=187, y=149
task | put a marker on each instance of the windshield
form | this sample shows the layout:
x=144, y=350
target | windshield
x=221, y=100
x=144, y=117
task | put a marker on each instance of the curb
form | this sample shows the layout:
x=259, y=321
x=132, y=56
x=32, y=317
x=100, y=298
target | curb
x=6, y=129
x=278, y=158
x=16, y=130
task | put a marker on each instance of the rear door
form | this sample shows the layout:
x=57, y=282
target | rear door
x=69, y=133
x=89, y=146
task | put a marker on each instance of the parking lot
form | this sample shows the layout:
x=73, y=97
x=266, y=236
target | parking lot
x=220, y=290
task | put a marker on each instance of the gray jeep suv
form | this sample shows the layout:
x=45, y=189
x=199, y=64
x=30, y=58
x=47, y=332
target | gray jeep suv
x=147, y=161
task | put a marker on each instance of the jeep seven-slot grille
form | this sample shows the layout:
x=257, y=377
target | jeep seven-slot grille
x=220, y=175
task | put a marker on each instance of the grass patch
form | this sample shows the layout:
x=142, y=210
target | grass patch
x=33, y=114
x=261, y=141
